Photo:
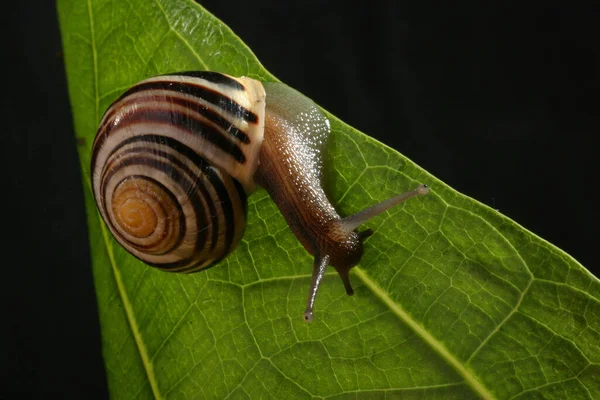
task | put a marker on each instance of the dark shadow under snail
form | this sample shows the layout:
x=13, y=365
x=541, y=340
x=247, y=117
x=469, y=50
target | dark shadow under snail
x=176, y=156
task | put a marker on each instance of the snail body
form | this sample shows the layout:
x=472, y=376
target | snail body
x=176, y=156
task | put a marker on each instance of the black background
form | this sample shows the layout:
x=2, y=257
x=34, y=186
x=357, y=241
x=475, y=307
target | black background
x=499, y=102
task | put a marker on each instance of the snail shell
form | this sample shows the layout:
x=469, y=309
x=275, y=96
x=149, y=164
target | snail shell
x=172, y=164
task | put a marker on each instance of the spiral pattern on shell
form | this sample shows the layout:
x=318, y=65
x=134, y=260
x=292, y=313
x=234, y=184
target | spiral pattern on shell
x=172, y=165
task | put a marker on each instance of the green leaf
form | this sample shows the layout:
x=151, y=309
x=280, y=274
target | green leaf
x=453, y=300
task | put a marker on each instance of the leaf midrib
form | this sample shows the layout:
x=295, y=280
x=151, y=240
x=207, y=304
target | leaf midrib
x=435, y=344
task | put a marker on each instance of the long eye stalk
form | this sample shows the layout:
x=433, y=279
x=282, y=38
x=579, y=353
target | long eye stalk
x=354, y=221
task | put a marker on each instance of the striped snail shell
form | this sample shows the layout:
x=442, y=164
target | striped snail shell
x=176, y=156
x=171, y=165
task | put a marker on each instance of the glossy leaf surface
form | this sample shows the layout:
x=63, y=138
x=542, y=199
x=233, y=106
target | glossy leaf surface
x=453, y=300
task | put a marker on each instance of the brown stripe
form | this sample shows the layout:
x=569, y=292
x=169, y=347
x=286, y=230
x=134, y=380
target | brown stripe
x=210, y=76
x=226, y=208
x=209, y=95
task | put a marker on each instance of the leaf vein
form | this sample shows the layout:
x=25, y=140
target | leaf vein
x=501, y=324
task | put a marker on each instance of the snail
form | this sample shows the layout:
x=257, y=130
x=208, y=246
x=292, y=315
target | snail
x=176, y=156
